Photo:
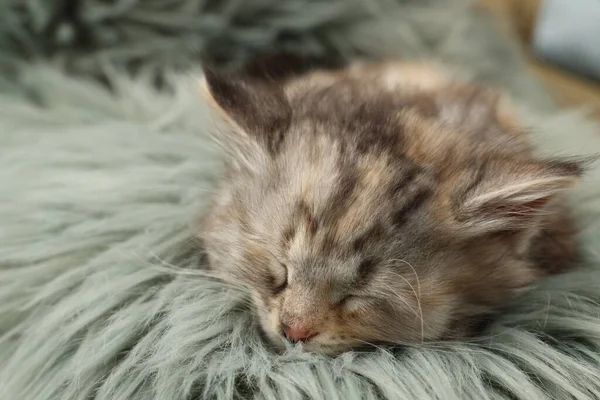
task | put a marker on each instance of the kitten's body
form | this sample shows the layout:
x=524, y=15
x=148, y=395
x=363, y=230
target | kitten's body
x=380, y=203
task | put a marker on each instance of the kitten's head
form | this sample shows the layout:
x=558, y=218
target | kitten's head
x=357, y=217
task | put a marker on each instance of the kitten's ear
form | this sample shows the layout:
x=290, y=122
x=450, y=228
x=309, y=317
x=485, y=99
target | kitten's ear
x=510, y=194
x=258, y=108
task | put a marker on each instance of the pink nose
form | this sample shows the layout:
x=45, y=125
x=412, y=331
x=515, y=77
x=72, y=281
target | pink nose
x=297, y=333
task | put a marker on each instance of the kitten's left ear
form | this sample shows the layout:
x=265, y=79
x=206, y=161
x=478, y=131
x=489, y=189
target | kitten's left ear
x=511, y=194
x=258, y=108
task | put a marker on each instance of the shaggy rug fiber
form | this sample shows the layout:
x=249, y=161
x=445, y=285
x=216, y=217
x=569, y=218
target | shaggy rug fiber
x=101, y=181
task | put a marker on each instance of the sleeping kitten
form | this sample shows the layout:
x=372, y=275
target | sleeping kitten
x=379, y=203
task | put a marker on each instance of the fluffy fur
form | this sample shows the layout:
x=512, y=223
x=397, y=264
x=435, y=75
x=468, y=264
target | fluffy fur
x=97, y=190
x=382, y=202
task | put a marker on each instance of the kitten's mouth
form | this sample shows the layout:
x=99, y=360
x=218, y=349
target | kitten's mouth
x=279, y=344
x=293, y=338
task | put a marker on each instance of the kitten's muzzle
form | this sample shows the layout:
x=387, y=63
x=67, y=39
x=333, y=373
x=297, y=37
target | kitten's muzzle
x=297, y=333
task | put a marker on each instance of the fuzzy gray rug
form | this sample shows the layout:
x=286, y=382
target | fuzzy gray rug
x=99, y=189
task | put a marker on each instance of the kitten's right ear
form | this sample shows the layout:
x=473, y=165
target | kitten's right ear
x=511, y=194
x=259, y=109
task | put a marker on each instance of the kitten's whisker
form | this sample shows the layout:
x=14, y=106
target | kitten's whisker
x=199, y=189
x=478, y=339
x=418, y=298
x=406, y=303
x=193, y=239
x=414, y=271
x=224, y=280
x=439, y=346
x=379, y=347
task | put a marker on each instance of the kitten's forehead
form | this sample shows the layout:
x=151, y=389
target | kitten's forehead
x=355, y=167
x=332, y=199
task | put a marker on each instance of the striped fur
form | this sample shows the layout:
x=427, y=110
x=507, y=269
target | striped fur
x=380, y=203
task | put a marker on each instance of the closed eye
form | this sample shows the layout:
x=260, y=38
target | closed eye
x=351, y=300
x=281, y=278
x=357, y=301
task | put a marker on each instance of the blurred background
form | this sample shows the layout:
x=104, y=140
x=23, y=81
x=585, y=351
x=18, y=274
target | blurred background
x=561, y=42
x=558, y=37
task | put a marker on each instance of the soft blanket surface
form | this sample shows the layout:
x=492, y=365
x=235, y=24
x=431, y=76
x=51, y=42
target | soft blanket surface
x=100, y=189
